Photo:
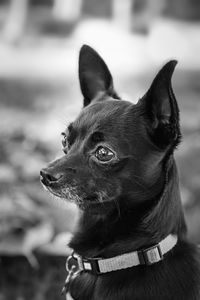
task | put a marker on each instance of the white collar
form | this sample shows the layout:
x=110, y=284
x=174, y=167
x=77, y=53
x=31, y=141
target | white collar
x=146, y=256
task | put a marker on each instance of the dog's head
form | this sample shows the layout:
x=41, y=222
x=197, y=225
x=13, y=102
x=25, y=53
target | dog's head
x=115, y=151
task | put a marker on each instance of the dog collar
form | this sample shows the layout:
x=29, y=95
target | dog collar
x=146, y=256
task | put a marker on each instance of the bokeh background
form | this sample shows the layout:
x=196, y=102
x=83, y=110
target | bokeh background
x=39, y=96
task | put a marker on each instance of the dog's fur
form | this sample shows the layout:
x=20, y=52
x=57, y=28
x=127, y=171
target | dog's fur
x=131, y=201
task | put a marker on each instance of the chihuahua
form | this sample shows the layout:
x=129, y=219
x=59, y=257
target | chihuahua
x=118, y=167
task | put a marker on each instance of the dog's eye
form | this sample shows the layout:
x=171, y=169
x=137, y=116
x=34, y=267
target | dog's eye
x=104, y=154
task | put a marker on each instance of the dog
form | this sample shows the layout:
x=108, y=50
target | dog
x=118, y=167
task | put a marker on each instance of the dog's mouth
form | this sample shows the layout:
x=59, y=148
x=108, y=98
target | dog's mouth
x=70, y=193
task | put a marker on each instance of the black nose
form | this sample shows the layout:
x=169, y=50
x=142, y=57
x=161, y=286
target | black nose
x=47, y=178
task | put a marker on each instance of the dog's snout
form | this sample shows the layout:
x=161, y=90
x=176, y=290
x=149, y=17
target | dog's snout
x=47, y=178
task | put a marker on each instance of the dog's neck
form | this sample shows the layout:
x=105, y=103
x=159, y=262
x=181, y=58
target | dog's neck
x=136, y=227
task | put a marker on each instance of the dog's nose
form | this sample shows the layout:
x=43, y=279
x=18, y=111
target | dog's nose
x=47, y=178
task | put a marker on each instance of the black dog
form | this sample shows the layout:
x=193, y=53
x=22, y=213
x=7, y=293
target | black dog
x=118, y=167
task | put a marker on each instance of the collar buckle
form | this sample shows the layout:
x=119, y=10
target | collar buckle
x=72, y=263
x=152, y=255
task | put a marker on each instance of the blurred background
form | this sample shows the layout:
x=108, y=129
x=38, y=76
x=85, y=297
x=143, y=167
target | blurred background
x=39, y=96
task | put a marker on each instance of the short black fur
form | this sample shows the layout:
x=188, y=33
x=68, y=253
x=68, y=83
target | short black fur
x=131, y=201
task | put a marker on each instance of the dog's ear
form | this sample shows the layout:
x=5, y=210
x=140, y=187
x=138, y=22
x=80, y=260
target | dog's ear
x=162, y=109
x=94, y=75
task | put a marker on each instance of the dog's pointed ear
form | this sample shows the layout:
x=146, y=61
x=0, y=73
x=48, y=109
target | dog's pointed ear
x=94, y=75
x=162, y=109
